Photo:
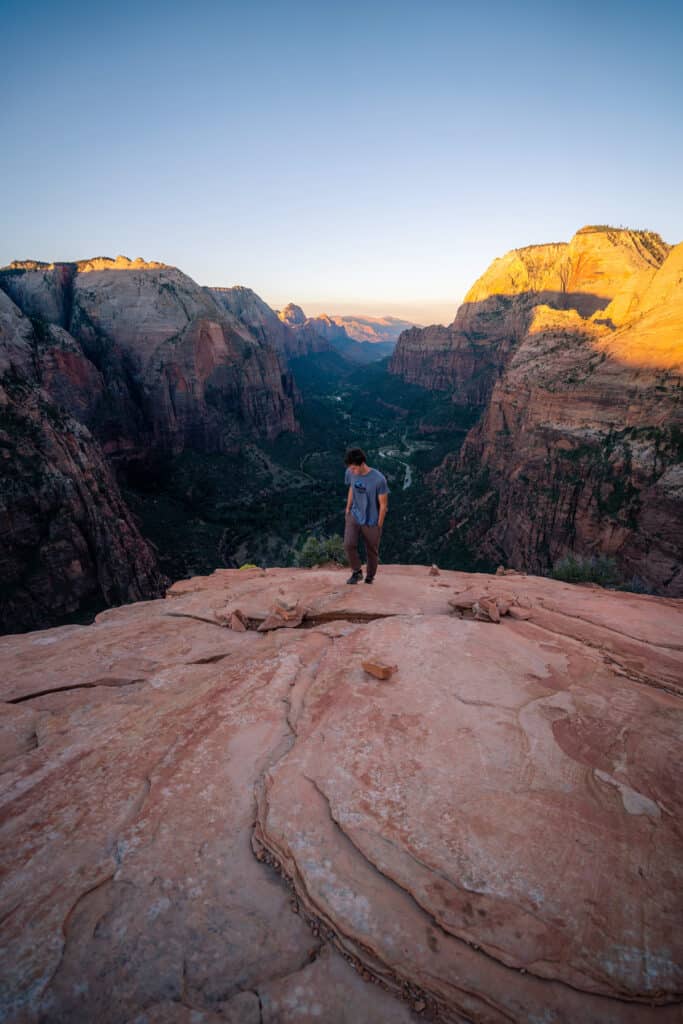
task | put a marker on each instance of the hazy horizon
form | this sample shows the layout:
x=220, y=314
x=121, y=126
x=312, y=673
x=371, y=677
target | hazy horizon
x=375, y=309
x=370, y=160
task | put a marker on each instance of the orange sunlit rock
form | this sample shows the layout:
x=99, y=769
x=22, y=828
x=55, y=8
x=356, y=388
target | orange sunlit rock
x=574, y=354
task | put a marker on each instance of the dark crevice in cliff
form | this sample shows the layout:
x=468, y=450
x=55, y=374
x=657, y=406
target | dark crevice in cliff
x=211, y=659
x=320, y=618
x=260, y=1004
x=75, y=686
x=69, y=271
x=252, y=623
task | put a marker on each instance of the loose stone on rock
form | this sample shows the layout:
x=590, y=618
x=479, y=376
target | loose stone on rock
x=379, y=669
x=284, y=615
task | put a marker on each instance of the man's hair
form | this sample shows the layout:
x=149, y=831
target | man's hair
x=355, y=457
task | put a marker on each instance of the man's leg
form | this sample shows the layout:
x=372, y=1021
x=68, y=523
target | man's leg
x=351, y=538
x=371, y=536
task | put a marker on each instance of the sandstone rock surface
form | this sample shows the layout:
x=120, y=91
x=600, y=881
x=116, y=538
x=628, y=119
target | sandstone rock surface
x=493, y=837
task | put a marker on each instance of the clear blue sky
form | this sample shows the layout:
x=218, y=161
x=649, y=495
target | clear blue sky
x=358, y=157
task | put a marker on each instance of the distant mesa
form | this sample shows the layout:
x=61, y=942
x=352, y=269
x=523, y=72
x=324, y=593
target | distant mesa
x=374, y=329
x=362, y=339
x=292, y=314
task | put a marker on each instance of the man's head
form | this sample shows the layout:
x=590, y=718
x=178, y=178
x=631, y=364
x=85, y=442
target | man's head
x=356, y=460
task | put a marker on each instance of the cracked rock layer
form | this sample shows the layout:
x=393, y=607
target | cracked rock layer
x=492, y=834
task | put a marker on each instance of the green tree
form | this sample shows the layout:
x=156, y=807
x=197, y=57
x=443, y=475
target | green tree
x=316, y=551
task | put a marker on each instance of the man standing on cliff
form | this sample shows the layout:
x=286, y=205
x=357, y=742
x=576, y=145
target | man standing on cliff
x=366, y=509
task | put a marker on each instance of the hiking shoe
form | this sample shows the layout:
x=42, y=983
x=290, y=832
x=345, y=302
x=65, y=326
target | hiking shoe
x=369, y=579
x=355, y=577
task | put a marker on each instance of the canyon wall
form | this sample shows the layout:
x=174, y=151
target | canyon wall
x=361, y=339
x=313, y=333
x=120, y=359
x=68, y=540
x=178, y=369
x=263, y=322
x=579, y=446
x=585, y=274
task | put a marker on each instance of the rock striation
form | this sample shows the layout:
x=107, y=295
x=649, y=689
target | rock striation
x=178, y=369
x=205, y=824
x=574, y=354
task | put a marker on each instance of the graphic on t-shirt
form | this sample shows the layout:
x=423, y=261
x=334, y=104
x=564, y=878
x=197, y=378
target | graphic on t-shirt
x=365, y=507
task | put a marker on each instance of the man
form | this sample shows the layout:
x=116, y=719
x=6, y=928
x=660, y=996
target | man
x=366, y=509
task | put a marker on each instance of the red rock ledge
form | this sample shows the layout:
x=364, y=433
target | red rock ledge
x=490, y=835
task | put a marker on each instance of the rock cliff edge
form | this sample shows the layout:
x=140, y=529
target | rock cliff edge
x=209, y=818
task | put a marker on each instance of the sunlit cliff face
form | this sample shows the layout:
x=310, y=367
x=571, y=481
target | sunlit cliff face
x=652, y=333
x=98, y=263
x=620, y=290
x=120, y=263
x=600, y=262
x=643, y=324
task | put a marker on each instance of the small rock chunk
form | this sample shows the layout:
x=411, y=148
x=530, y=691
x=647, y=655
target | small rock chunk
x=486, y=610
x=238, y=622
x=233, y=618
x=379, y=669
x=284, y=615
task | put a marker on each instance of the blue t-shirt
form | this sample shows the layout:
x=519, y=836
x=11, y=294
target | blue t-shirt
x=365, y=507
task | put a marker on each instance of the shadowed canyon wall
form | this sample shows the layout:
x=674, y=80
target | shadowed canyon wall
x=68, y=539
x=114, y=358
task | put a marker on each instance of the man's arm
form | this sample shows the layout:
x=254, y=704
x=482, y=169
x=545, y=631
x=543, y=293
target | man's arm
x=383, y=508
x=349, y=500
